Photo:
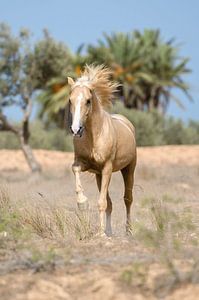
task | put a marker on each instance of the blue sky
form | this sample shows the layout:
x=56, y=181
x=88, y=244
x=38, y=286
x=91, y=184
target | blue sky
x=76, y=22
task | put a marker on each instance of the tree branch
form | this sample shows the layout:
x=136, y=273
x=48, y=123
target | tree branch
x=6, y=126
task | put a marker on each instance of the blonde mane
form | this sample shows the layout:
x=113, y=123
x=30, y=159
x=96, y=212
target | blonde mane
x=97, y=78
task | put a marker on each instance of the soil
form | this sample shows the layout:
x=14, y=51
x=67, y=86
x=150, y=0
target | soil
x=99, y=267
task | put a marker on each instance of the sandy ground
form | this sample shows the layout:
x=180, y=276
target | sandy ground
x=187, y=155
x=97, y=268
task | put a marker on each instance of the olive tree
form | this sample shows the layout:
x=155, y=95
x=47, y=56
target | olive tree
x=25, y=69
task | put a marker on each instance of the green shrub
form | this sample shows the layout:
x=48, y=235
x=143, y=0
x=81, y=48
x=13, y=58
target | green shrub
x=175, y=132
x=151, y=129
x=149, y=126
x=8, y=141
x=50, y=139
x=41, y=138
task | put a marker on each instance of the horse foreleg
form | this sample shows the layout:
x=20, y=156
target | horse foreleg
x=102, y=203
x=82, y=200
x=108, y=229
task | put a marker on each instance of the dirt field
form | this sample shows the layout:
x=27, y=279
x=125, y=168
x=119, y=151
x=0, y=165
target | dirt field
x=48, y=250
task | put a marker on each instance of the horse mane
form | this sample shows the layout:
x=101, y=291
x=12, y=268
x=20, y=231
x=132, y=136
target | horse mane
x=97, y=78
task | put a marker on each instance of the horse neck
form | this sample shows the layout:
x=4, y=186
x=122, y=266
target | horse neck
x=95, y=121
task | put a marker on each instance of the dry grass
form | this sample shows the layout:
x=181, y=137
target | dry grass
x=57, y=223
x=52, y=223
x=165, y=233
x=41, y=230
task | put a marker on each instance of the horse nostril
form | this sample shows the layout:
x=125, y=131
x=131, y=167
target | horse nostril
x=80, y=131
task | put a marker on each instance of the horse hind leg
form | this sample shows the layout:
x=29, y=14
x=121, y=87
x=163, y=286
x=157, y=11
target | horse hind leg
x=128, y=176
x=108, y=229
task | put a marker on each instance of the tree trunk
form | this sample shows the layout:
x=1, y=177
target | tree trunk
x=23, y=136
x=27, y=150
x=30, y=158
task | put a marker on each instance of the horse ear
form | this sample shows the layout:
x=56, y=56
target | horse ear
x=70, y=81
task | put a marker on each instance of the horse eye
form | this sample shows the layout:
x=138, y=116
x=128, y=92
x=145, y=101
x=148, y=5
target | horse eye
x=88, y=102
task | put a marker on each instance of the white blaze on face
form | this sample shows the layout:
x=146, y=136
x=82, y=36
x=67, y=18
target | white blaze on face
x=76, y=118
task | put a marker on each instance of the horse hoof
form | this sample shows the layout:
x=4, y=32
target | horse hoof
x=129, y=231
x=109, y=233
x=101, y=234
x=83, y=205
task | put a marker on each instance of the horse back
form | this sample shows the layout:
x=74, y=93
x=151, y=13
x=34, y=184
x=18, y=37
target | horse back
x=124, y=121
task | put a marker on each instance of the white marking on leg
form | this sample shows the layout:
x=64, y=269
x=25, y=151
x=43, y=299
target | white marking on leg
x=76, y=119
x=81, y=198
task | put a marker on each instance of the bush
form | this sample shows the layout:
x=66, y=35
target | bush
x=41, y=138
x=8, y=141
x=175, y=132
x=153, y=129
x=149, y=126
x=50, y=139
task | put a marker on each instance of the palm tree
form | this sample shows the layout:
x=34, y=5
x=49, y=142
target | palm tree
x=164, y=69
x=121, y=54
x=147, y=67
x=53, y=101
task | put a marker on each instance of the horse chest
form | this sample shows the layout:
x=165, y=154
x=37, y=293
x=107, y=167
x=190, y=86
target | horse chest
x=92, y=155
x=92, y=159
x=96, y=156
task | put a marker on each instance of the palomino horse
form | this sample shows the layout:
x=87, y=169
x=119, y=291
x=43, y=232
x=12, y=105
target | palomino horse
x=103, y=143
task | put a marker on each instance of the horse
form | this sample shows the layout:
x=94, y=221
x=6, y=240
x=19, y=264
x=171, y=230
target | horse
x=103, y=143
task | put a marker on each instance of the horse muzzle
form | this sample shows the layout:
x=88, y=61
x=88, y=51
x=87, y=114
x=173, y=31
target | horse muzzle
x=78, y=132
